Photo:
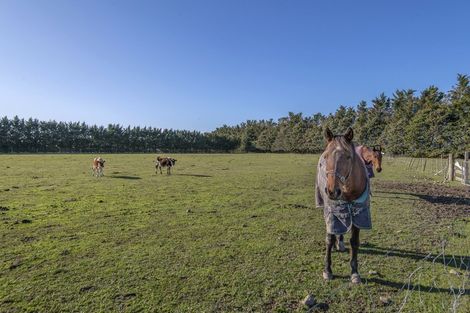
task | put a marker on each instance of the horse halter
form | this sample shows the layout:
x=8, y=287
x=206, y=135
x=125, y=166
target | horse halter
x=342, y=178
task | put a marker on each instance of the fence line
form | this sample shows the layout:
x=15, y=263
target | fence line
x=461, y=169
x=446, y=167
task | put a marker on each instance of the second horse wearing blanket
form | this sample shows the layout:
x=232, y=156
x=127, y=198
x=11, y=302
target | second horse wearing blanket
x=342, y=189
x=372, y=158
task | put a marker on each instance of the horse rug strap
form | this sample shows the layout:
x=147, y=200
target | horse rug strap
x=340, y=215
x=370, y=170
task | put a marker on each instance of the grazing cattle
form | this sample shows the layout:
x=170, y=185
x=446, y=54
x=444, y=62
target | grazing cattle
x=98, y=165
x=164, y=162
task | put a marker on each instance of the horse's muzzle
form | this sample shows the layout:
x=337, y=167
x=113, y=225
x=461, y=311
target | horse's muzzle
x=335, y=194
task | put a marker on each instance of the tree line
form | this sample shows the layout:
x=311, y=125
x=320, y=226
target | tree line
x=427, y=124
x=32, y=135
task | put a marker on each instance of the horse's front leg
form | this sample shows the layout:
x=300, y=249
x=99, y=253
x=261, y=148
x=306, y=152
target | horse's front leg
x=355, y=278
x=340, y=243
x=327, y=272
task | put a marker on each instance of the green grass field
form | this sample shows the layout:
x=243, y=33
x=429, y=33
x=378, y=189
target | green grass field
x=224, y=233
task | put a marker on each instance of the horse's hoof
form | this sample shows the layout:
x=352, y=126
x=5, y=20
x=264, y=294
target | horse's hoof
x=355, y=279
x=340, y=246
x=327, y=276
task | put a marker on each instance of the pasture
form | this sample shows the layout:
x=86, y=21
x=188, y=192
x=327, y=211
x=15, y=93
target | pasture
x=224, y=233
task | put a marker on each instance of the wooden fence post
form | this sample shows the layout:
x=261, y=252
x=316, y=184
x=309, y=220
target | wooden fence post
x=466, y=176
x=451, y=173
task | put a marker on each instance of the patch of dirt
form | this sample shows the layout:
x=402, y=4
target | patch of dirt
x=28, y=239
x=17, y=262
x=87, y=289
x=60, y=271
x=65, y=252
x=125, y=297
x=438, y=200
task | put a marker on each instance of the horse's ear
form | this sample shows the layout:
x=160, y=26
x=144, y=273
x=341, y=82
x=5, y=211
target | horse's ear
x=349, y=135
x=328, y=134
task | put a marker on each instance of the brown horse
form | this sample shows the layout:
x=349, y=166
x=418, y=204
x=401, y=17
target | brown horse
x=372, y=158
x=343, y=192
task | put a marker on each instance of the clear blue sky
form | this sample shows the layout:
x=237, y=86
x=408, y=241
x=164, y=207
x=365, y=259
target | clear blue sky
x=200, y=64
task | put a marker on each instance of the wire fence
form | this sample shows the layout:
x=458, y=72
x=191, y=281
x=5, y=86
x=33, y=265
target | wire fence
x=422, y=168
x=449, y=274
x=446, y=265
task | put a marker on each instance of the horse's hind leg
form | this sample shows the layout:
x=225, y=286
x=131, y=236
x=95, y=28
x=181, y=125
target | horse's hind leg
x=355, y=278
x=340, y=243
x=327, y=272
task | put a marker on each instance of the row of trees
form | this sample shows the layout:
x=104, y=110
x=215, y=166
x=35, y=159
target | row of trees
x=32, y=135
x=427, y=124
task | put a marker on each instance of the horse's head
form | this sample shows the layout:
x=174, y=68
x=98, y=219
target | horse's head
x=377, y=158
x=339, y=155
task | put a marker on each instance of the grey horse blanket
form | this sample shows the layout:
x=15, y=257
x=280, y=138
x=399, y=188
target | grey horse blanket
x=341, y=215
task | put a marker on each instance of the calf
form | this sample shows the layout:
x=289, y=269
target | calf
x=98, y=165
x=164, y=162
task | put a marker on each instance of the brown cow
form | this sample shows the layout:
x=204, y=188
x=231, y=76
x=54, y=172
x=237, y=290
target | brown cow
x=164, y=162
x=98, y=165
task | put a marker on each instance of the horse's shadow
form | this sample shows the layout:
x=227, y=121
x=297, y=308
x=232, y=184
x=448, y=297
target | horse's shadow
x=461, y=262
x=409, y=286
x=125, y=177
x=192, y=175
x=434, y=199
x=422, y=288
